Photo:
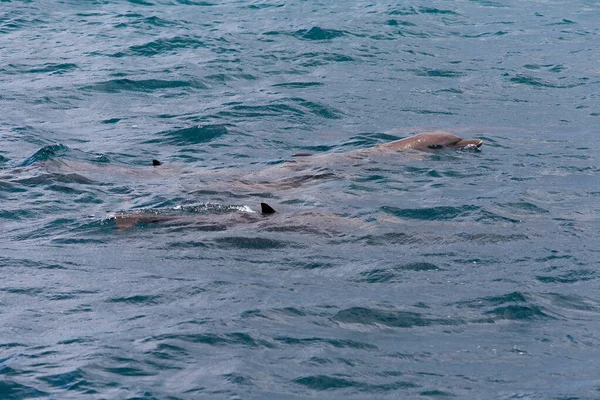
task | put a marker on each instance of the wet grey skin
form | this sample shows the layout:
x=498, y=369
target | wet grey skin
x=126, y=220
x=301, y=169
x=426, y=141
x=312, y=222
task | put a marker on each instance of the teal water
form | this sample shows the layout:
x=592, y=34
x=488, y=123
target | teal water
x=434, y=275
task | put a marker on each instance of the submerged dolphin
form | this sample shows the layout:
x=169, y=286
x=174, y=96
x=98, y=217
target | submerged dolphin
x=437, y=140
x=126, y=220
x=300, y=169
x=303, y=168
x=311, y=222
x=426, y=141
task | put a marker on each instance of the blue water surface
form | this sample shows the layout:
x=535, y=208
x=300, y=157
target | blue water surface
x=469, y=274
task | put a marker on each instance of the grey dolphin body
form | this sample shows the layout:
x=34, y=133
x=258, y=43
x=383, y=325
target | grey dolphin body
x=426, y=141
x=312, y=222
x=304, y=168
x=126, y=220
x=437, y=140
x=300, y=169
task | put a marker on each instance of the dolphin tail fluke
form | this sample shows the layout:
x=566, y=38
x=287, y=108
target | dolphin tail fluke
x=266, y=209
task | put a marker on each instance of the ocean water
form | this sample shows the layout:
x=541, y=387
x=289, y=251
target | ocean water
x=469, y=274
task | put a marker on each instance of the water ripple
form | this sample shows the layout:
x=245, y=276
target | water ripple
x=317, y=33
x=390, y=318
x=434, y=213
x=193, y=135
x=160, y=46
x=324, y=382
x=144, y=85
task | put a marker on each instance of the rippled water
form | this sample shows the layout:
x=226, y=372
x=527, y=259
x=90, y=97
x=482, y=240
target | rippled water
x=406, y=275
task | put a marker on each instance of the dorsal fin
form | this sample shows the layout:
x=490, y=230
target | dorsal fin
x=301, y=155
x=266, y=209
x=156, y=163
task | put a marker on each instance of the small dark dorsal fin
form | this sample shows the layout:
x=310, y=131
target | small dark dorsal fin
x=266, y=209
x=156, y=163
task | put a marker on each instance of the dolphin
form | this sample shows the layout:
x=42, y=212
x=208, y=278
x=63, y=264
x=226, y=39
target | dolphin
x=304, y=168
x=127, y=220
x=266, y=220
x=426, y=141
x=298, y=170
x=433, y=141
